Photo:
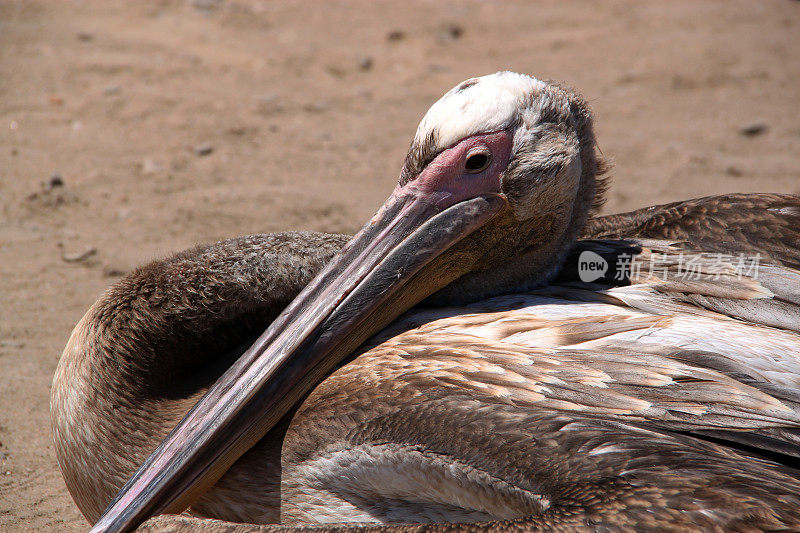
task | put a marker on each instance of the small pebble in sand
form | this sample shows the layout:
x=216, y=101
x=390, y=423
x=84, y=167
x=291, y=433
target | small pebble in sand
x=10, y=344
x=206, y=6
x=150, y=166
x=365, y=63
x=110, y=271
x=734, y=171
x=79, y=256
x=110, y=90
x=203, y=149
x=451, y=32
x=317, y=107
x=54, y=181
x=395, y=35
x=751, y=130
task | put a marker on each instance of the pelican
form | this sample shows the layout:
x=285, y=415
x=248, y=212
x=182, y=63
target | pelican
x=455, y=366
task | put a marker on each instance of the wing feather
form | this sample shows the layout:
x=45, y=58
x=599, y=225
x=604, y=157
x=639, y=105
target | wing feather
x=768, y=224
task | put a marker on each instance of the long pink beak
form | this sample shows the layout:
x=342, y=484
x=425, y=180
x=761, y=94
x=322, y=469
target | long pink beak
x=395, y=261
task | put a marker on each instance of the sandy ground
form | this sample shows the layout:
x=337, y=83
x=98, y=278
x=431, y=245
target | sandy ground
x=175, y=123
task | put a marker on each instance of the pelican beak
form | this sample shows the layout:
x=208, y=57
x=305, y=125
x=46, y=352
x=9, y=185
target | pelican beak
x=412, y=247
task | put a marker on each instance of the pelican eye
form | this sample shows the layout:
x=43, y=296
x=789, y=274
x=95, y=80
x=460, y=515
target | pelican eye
x=478, y=162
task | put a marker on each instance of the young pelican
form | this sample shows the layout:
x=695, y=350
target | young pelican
x=522, y=395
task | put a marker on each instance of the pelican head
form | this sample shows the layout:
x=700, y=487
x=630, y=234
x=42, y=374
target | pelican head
x=532, y=142
x=499, y=180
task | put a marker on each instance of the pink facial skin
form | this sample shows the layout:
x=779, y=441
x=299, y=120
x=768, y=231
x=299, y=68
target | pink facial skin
x=446, y=182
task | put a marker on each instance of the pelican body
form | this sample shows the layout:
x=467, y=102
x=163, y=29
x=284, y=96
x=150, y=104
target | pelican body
x=448, y=368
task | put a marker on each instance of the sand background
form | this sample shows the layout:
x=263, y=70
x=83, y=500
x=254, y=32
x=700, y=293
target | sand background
x=132, y=130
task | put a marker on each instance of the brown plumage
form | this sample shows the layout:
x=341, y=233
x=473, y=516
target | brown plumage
x=768, y=224
x=650, y=400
